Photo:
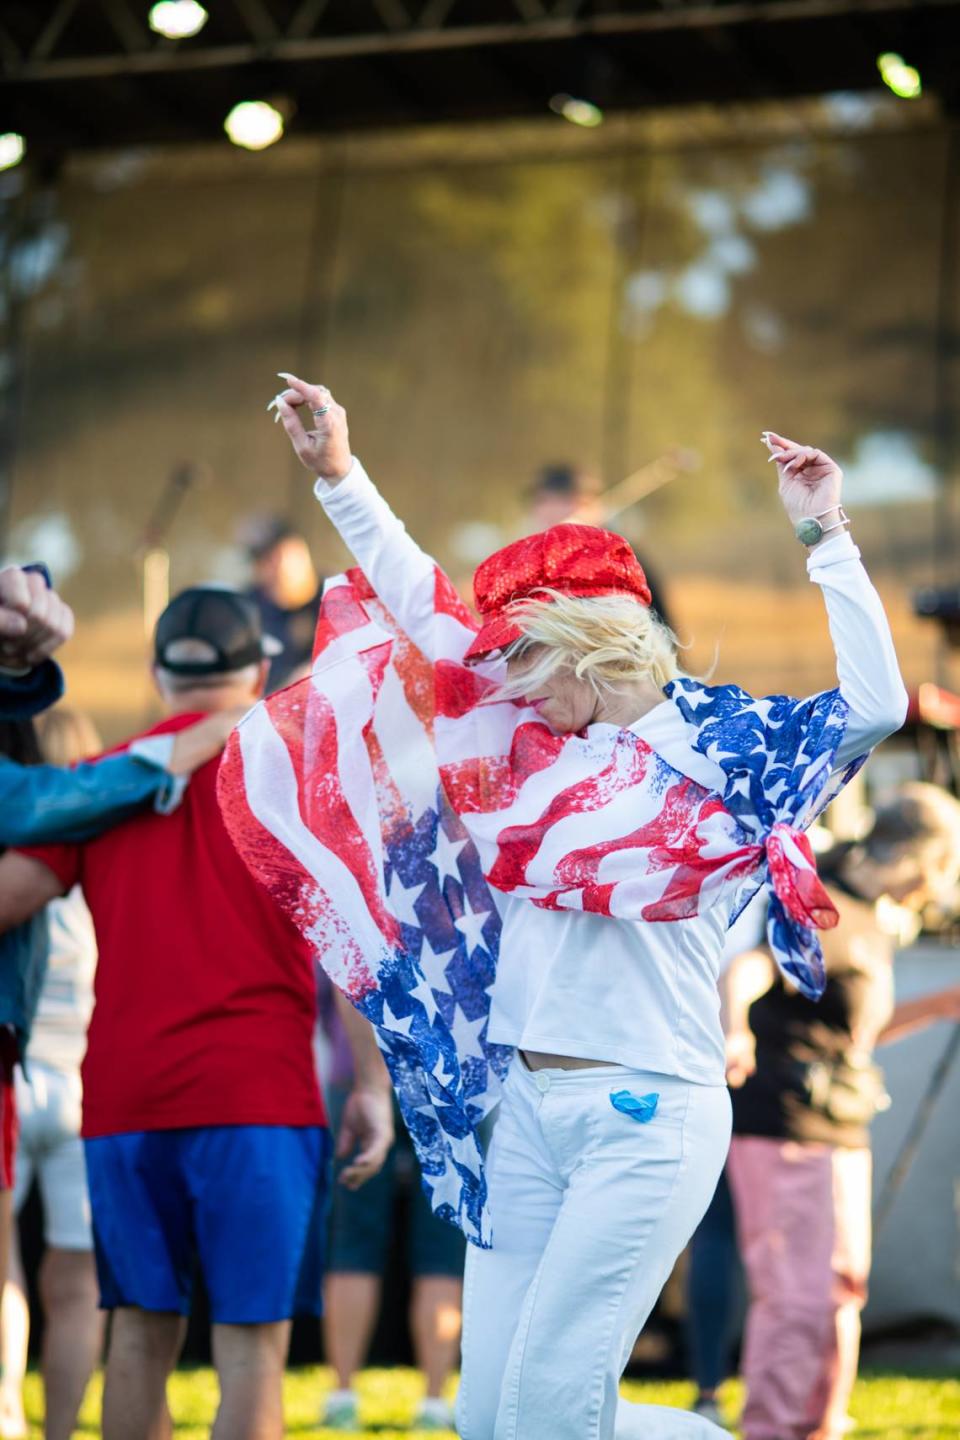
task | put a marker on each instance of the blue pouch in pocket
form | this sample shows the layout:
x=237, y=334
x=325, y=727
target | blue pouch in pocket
x=641, y=1108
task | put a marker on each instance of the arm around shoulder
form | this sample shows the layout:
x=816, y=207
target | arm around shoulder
x=43, y=803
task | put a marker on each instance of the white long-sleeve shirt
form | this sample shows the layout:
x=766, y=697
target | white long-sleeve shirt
x=636, y=993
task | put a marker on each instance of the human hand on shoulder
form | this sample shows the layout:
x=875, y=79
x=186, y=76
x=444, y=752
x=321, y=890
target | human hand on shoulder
x=324, y=449
x=811, y=482
x=198, y=743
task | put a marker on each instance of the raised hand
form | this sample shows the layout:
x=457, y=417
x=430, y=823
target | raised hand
x=810, y=482
x=324, y=449
x=34, y=621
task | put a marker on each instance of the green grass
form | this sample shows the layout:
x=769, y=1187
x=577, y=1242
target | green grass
x=886, y=1406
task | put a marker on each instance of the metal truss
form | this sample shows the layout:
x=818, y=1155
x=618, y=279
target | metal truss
x=272, y=32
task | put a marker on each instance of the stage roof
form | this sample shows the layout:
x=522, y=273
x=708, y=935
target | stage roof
x=79, y=74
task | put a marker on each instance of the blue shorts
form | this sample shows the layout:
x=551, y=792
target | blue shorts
x=248, y=1201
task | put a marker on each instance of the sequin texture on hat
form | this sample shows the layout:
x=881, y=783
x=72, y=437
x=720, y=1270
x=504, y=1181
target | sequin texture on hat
x=574, y=559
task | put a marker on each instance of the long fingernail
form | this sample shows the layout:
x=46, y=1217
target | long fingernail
x=285, y=375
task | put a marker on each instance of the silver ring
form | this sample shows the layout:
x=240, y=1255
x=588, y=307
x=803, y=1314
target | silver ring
x=322, y=411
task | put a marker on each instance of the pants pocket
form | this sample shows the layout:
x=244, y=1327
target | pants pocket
x=641, y=1108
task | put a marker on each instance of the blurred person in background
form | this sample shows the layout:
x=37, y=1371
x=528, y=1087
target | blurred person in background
x=562, y=493
x=800, y=1163
x=710, y=1296
x=713, y=1269
x=203, y=1122
x=42, y=802
x=286, y=588
x=50, y=1151
x=361, y=1224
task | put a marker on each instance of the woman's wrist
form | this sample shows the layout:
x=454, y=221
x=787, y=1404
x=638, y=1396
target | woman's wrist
x=334, y=474
x=816, y=526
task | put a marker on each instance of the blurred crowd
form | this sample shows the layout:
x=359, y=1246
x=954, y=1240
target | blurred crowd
x=124, y=1012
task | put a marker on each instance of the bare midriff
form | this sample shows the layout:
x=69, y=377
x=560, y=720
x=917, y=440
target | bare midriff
x=538, y=1060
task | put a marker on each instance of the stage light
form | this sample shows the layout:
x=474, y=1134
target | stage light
x=578, y=112
x=254, y=124
x=177, y=19
x=12, y=150
x=900, y=77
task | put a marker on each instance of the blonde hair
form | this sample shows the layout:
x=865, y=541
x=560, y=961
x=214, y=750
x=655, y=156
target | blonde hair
x=611, y=641
x=67, y=736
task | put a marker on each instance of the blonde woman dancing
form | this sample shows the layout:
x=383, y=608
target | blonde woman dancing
x=518, y=846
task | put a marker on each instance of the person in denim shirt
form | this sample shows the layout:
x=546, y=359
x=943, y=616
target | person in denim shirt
x=40, y=803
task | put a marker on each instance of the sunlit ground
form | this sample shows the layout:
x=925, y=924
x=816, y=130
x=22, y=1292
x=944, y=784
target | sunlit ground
x=886, y=1406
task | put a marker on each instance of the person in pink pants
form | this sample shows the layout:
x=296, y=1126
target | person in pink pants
x=800, y=1163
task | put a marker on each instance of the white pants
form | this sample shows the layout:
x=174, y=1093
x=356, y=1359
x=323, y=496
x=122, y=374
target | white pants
x=590, y=1210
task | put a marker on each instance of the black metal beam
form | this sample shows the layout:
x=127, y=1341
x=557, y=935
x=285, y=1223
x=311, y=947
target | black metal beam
x=566, y=26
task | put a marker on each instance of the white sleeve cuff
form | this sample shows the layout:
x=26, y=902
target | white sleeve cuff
x=157, y=750
x=170, y=797
x=354, y=476
x=832, y=552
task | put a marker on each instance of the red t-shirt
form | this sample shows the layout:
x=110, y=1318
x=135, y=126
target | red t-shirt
x=205, y=992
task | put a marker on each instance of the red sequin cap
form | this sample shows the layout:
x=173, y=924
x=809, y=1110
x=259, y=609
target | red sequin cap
x=577, y=559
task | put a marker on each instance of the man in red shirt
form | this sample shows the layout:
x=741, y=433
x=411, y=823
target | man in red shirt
x=203, y=1122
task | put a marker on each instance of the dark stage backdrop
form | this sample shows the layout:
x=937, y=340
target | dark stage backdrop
x=484, y=301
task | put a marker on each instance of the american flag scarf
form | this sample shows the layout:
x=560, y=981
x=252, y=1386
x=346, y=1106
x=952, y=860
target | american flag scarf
x=389, y=799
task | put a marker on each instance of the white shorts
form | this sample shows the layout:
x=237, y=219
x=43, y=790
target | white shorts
x=50, y=1149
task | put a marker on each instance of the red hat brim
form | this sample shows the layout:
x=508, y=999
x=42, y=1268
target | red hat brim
x=495, y=634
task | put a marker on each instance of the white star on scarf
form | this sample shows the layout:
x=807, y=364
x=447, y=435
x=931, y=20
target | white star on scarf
x=470, y=924
x=399, y=1024
x=444, y=856
x=401, y=900
x=466, y=1035
x=423, y=991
